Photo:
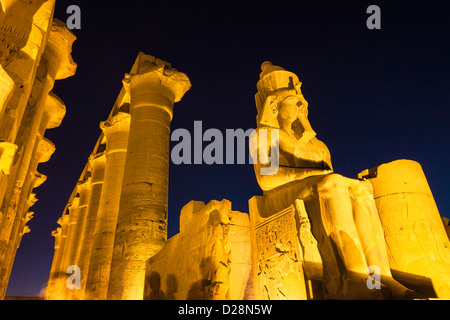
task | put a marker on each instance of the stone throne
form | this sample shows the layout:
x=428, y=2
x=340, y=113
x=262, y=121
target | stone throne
x=315, y=234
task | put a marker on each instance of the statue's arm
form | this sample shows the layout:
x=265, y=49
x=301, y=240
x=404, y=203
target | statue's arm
x=273, y=175
x=283, y=175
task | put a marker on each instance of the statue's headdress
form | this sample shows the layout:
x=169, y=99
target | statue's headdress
x=274, y=85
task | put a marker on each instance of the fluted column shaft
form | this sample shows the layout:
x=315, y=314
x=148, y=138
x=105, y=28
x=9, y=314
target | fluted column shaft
x=57, y=280
x=19, y=72
x=70, y=243
x=142, y=222
x=57, y=247
x=97, y=163
x=26, y=143
x=54, y=65
x=42, y=153
x=116, y=131
x=84, y=189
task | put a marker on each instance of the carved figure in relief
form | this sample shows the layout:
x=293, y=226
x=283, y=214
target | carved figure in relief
x=278, y=261
x=13, y=32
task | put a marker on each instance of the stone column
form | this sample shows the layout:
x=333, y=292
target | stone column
x=54, y=112
x=70, y=243
x=97, y=163
x=22, y=200
x=84, y=189
x=57, y=247
x=42, y=153
x=56, y=63
x=13, y=197
x=417, y=244
x=24, y=230
x=7, y=153
x=116, y=131
x=152, y=87
x=57, y=280
x=24, y=31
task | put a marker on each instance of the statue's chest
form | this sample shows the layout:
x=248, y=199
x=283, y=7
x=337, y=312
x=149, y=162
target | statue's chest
x=306, y=155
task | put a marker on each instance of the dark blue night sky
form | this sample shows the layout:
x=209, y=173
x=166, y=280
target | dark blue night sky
x=374, y=95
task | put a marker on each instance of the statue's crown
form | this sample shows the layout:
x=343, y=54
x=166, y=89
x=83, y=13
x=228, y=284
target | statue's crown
x=273, y=78
x=274, y=81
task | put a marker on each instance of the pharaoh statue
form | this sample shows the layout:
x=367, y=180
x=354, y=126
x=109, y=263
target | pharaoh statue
x=342, y=211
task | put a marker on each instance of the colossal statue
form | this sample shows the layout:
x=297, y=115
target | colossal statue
x=342, y=211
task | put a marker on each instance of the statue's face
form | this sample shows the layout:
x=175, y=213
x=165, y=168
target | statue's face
x=288, y=109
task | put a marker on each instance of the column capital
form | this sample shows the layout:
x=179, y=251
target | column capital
x=28, y=216
x=152, y=82
x=63, y=220
x=118, y=123
x=38, y=179
x=58, y=50
x=26, y=229
x=97, y=158
x=7, y=153
x=55, y=109
x=45, y=150
x=84, y=188
x=97, y=163
x=84, y=185
x=56, y=233
x=32, y=199
x=73, y=204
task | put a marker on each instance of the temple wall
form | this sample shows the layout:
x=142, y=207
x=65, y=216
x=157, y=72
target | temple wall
x=210, y=259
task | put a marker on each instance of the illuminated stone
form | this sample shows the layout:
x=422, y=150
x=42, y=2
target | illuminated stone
x=88, y=191
x=34, y=52
x=27, y=199
x=417, y=243
x=342, y=211
x=152, y=87
x=446, y=222
x=84, y=189
x=210, y=259
x=116, y=131
x=57, y=281
x=281, y=265
x=313, y=234
x=97, y=165
x=70, y=245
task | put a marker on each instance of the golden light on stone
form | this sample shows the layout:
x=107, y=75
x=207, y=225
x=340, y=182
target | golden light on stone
x=312, y=234
x=35, y=51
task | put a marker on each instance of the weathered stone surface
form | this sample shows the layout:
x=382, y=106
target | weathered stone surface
x=342, y=211
x=24, y=32
x=57, y=281
x=446, y=222
x=34, y=52
x=210, y=259
x=277, y=256
x=88, y=191
x=314, y=234
x=152, y=87
x=7, y=152
x=417, y=243
x=116, y=131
